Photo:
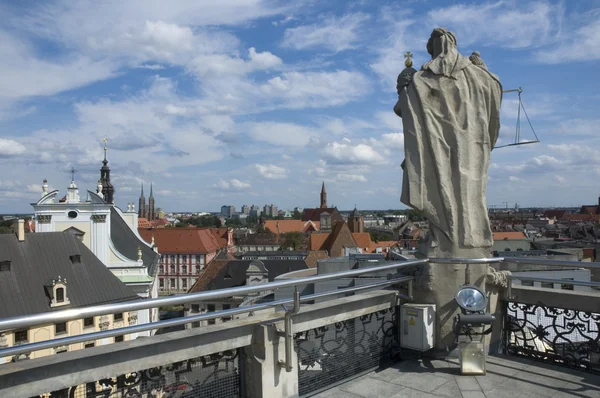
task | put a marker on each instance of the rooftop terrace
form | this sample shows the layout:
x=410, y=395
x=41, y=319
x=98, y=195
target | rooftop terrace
x=330, y=346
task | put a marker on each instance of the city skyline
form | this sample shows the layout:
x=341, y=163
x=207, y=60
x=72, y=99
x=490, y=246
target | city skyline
x=259, y=102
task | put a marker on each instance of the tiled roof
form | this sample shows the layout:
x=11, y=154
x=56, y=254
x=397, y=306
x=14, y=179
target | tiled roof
x=581, y=217
x=235, y=271
x=558, y=214
x=43, y=257
x=508, y=235
x=592, y=209
x=363, y=239
x=143, y=223
x=182, y=240
x=285, y=226
x=315, y=214
x=317, y=241
x=314, y=256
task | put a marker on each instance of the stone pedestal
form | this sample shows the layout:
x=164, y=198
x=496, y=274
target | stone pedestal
x=437, y=284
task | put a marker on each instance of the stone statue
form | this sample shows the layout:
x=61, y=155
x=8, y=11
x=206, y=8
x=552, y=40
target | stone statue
x=450, y=111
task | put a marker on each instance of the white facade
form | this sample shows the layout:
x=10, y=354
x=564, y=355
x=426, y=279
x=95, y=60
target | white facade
x=90, y=220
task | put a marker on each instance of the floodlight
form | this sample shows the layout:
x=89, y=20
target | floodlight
x=470, y=298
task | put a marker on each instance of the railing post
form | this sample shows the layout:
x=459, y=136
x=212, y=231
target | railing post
x=410, y=290
x=287, y=332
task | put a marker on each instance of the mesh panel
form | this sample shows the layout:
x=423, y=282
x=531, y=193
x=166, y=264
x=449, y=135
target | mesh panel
x=212, y=376
x=332, y=353
x=563, y=336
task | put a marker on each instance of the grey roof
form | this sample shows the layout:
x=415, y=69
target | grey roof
x=42, y=257
x=234, y=272
x=127, y=243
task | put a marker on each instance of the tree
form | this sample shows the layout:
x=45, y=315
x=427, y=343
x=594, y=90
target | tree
x=5, y=230
x=293, y=240
x=261, y=229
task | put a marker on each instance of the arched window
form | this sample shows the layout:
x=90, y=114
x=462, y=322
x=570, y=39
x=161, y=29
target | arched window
x=60, y=295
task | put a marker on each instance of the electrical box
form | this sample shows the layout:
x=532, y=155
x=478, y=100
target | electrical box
x=417, y=326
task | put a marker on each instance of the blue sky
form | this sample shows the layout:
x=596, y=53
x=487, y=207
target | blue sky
x=258, y=101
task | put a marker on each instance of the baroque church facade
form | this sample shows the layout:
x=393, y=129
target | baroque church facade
x=110, y=233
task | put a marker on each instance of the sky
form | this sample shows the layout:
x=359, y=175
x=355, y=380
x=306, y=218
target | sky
x=259, y=101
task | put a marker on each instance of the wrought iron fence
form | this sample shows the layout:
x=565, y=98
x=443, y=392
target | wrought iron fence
x=330, y=354
x=563, y=336
x=211, y=376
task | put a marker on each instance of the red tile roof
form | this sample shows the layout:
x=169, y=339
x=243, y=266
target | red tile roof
x=285, y=226
x=144, y=223
x=182, y=240
x=508, y=235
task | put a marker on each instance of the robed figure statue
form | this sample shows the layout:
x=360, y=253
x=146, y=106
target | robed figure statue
x=450, y=111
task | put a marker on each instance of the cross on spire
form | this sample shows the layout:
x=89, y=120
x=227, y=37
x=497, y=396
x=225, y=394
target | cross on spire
x=105, y=140
x=72, y=173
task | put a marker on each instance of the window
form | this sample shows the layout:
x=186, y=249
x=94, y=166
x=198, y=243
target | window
x=88, y=322
x=75, y=259
x=161, y=283
x=89, y=345
x=184, y=259
x=195, y=324
x=198, y=269
x=195, y=308
x=72, y=214
x=172, y=269
x=4, y=266
x=171, y=259
x=526, y=283
x=172, y=283
x=61, y=350
x=60, y=295
x=184, y=283
x=548, y=285
x=200, y=259
x=21, y=337
x=118, y=339
x=184, y=269
x=210, y=308
x=60, y=328
x=118, y=317
x=162, y=269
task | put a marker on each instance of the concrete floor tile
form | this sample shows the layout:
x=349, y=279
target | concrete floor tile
x=473, y=394
x=410, y=393
x=467, y=383
x=371, y=388
x=335, y=393
x=423, y=381
x=450, y=389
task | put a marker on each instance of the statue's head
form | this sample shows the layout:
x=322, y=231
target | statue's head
x=441, y=42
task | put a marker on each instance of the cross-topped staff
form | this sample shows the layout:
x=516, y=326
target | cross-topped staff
x=105, y=142
x=72, y=173
x=408, y=62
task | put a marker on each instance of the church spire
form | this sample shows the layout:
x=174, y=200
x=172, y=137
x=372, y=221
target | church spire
x=323, y=196
x=151, y=195
x=142, y=204
x=107, y=188
x=151, y=211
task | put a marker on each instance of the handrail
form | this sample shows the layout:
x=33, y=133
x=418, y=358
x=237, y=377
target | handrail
x=490, y=260
x=557, y=263
x=77, y=313
x=557, y=281
x=80, y=338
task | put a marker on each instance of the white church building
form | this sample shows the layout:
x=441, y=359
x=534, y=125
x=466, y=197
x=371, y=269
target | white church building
x=107, y=231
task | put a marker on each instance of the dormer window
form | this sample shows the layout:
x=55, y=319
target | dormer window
x=57, y=290
x=75, y=259
x=4, y=266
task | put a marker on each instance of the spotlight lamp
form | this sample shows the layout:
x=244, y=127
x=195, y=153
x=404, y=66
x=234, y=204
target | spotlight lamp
x=470, y=299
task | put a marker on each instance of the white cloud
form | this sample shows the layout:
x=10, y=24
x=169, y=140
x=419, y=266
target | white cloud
x=393, y=140
x=224, y=65
x=316, y=89
x=351, y=178
x=284, y=134
x=514, y=179
x=10, y=148
x=271, y=171
x=502, y=23
x=578, y=45
x=336, y=34
x=345, y=152
x=233, y=184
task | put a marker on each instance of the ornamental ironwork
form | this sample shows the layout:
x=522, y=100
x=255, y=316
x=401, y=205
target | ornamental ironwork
x=104, y=323
x=3, y=340
x=99, y=217
x=562, y=336
x=216, y=375
x=44, y=218
x=133, y=318
x=335, y=352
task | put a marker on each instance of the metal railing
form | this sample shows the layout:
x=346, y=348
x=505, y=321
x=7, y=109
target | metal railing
x=20, y=322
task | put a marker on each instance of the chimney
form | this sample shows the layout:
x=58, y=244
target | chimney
x=21, y=230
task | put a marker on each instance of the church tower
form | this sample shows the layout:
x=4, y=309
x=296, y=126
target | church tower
x=323, y=197
x=142, y=204
x=108, y=190
x=356, y=221
x=151, y=213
